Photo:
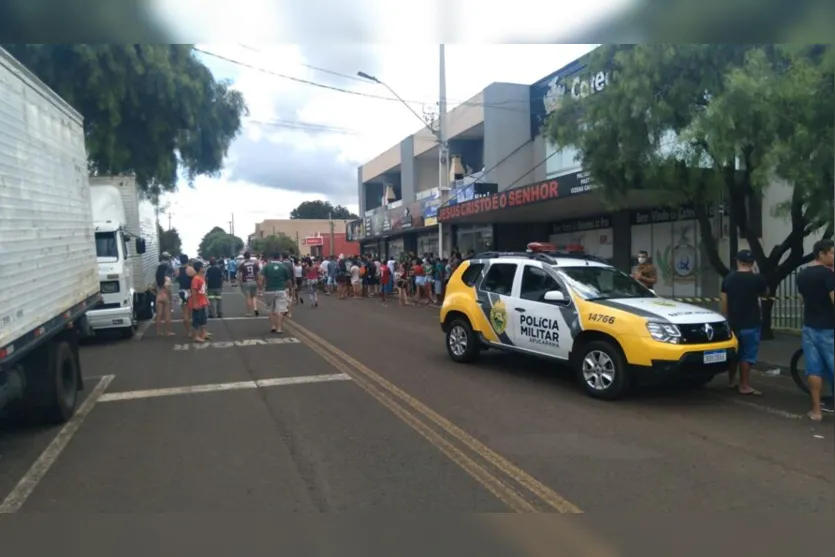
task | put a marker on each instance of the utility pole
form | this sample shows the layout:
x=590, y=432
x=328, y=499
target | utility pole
x=330, y=218
x=440, y=134
x=169, y=220
x=232, y=233
x=443, y=147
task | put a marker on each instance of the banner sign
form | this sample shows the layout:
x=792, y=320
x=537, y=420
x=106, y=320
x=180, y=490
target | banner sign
x=564, y=186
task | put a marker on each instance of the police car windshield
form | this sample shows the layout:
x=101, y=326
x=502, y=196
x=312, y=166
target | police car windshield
x=602, y=283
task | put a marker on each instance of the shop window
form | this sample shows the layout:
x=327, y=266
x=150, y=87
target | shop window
x=535, y=283
x=499, y=279
x=427, y=244
x=471, y=273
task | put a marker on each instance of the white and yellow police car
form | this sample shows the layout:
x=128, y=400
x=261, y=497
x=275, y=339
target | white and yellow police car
x=570, y=307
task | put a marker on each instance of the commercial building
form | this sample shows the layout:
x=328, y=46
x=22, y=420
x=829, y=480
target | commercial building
x=318, y=237
x=517, y=188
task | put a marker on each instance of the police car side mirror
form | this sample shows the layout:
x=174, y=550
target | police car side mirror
x=554, y=296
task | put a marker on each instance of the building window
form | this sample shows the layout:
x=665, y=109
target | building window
x=477, y=239
x=427, y=244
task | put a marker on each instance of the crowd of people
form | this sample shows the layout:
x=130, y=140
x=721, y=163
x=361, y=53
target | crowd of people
x=280, y=281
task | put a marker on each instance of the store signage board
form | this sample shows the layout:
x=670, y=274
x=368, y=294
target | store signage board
x=563, y=186
x=666, y=214
x=581, y=225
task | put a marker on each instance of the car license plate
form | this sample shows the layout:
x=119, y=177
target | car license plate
x=715, y=357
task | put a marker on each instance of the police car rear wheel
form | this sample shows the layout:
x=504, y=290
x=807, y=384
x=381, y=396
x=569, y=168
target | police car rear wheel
x=461, y=342
x=601, y=371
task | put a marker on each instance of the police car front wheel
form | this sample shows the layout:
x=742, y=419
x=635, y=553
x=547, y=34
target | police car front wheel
x=461, y=342
x=602, y=371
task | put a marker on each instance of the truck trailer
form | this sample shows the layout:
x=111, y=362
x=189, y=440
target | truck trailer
x=49, y=277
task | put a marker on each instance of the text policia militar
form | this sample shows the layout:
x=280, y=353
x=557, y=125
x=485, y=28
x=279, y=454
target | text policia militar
x=540, y=330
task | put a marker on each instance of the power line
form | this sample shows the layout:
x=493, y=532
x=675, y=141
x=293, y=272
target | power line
x=498, y=105
x=304, y=126
x=543, y=161
x=495, y=166
x=323, y=70
x=313, y=127
x=300, y=80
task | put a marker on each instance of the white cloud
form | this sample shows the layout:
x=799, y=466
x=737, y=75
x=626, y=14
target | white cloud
x=315, y=138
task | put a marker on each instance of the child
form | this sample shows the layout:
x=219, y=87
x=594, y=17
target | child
x=198, y=303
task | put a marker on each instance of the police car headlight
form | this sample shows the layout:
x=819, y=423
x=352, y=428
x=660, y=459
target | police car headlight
x=664, y=332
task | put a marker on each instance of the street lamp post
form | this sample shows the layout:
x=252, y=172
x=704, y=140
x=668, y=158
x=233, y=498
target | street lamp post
x=440, y=134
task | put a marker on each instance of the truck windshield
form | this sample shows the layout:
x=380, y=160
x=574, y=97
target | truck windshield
x=106, y=246
x=602, y=283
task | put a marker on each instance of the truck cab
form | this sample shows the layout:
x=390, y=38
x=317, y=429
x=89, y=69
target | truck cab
x=115, y=247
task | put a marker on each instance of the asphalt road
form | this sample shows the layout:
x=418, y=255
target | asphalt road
x=356, y=407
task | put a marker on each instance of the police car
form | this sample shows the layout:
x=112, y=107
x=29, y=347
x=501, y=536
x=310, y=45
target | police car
x=563, y=304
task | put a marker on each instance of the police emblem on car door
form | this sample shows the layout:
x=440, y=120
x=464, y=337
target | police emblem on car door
x=493, y=294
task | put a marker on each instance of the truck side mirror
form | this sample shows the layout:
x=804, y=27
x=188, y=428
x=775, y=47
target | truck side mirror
x=140, y=246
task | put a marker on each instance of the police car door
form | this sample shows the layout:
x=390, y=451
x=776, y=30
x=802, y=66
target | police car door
x=494, y=297
x=539, y=326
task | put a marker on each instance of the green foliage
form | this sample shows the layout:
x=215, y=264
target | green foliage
x=149, y=109
x=219, y=243
x=275, y=244
x=700, y=123
x=100, y=21
x=170, y=241
x=321, y=210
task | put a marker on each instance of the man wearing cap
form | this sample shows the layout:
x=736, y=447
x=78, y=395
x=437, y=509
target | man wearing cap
x=741, y=293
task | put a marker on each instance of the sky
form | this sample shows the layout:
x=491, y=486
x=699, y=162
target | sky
x=304, y=142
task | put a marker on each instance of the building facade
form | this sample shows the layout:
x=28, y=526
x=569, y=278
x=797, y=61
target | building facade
x=318, y=237
x=518, y=187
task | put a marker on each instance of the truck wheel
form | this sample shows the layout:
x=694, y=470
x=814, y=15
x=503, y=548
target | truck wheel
x=601, y=370
x=461, y=342
x=127, y=332
x=51, y=392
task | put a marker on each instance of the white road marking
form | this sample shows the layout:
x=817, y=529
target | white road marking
x=769, y=409
x=218, y=387
x=225, y=319
x=140, y=332
x=36, y=473
x=230, y=343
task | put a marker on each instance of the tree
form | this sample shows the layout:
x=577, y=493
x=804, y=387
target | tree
x=149, y=109
x=703, y=124
x=170, y=241
x=321, y=210
x=219, y=243
x=275, y=243
x=99, y=21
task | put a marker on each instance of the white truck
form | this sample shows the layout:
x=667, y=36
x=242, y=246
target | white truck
x=127, y=251
x=48, y=273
